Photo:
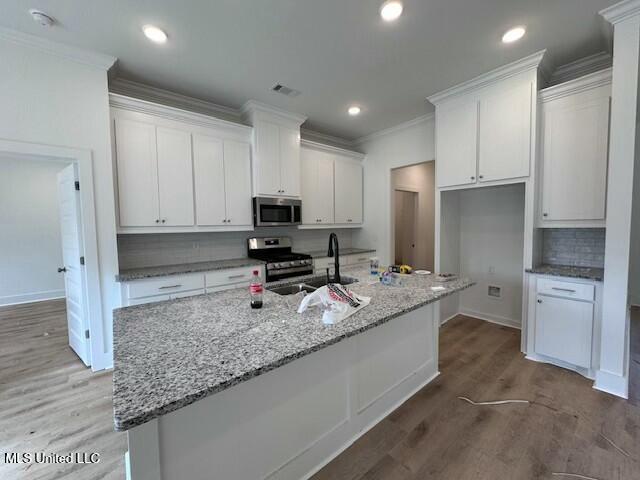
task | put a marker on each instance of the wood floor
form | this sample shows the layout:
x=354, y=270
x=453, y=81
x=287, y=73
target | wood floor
x=49, y=401
x=567, y=428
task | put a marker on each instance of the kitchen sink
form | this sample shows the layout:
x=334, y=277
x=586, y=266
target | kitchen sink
x=292, y=289
x=321, y=282
x=310, y=286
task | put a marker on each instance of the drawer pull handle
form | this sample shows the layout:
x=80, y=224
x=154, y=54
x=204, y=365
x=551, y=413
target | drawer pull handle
x=568, y=290
x=232, y=277
x=169, y=286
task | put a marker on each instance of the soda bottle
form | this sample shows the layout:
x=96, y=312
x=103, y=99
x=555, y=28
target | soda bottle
x=255, y=290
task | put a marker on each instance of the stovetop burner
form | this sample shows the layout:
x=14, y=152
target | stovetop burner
x=280, y=261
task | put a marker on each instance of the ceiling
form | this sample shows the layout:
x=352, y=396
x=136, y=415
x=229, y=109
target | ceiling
x=336, y=52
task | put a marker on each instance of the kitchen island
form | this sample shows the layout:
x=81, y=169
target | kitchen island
x=209, y=388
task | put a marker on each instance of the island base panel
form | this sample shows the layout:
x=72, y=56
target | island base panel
x=288, y=423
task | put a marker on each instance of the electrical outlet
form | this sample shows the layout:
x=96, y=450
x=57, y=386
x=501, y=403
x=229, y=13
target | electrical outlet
x=492, y=270
x=494, y=291
x=195, y=245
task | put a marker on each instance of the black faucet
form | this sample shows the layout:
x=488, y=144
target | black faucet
x=333, y=238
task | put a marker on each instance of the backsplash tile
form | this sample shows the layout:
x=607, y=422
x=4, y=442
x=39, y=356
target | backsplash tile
x=150, y=250
x=580, y=247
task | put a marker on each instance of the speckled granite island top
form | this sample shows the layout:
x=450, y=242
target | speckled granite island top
x=588, y=273
x=170, y=354
x=182, y=268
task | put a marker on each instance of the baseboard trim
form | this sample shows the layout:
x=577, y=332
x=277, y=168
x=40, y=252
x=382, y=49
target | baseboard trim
x=612, y=383
x=31, y=297
x=505, y=322
x=448, y=318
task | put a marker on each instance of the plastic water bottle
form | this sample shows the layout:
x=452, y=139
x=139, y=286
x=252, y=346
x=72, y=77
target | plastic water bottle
x=255, y=290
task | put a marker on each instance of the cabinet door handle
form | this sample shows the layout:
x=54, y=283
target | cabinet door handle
x=233, y=277
x=545, y=214
x=481, y=177
x=568, y=290
x=539, y=301
x=170, y=286
x=157, y=220
x=164, y=220
x=473, y=178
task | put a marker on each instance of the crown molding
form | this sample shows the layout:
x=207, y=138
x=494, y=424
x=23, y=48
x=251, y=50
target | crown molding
x=396, y=128
x=621, y=11
x=525, y=64
x=583, y=66
x=131, y=88
x=586, y=82
x=75, y=54
x=331, y=149
x=318, y=137
x=176, y=114
x=253, y=109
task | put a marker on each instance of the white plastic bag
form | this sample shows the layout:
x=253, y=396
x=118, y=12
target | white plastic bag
x=338, y=302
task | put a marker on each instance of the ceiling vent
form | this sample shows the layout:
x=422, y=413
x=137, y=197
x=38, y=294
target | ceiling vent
x=289, y=92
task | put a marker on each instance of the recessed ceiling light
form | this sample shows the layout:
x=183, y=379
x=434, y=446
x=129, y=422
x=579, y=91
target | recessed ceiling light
x=513, y=34
x=391, y=10
x=154, y=34
x=354, y=110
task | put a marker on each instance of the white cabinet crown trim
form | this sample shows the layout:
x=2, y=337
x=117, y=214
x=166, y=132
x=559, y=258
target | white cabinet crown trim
x=525, y=64
x=254, y=110
x=176, y=114
x=331, y=149
x=621, y=11
x=587, y=82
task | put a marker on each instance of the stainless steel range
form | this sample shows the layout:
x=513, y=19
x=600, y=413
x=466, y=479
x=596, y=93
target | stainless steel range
x=281, y=261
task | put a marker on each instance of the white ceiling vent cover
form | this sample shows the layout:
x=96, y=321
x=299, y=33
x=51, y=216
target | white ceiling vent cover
x=289, y=92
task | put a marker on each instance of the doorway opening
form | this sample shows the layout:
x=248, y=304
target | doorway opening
x=49, y=248
x=413, y=211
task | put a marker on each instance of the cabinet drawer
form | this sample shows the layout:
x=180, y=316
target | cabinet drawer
x=165, y=285
x=230, y=276
x=143, y=300
x=358, y=259
x=561, y=288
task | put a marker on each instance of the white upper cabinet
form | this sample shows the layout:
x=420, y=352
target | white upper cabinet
x=276, y=150
x=175, y=177
x=179, y=171
x=317, y=187
x=289, y=162
x=348, y=191
x=208, y=164
x=137, y=166
x=237, y=182
x=575, y=137
x=504, y=147
x=456, y=143
x=223, y=181
x=484, y=127
x=267, y=171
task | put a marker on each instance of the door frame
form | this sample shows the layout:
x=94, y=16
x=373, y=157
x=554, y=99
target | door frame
x=83, y=159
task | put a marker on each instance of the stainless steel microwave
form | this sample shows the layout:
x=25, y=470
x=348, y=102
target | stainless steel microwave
x=276, y=212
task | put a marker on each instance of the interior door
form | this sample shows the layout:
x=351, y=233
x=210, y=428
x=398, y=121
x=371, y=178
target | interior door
x=406, y=209
x=74, y=275
x=208, y=166
x=175, y=177
x=289, y=162
x=237, y=175
x=136, y=159
x=456, y=143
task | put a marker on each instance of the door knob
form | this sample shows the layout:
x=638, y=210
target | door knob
x=62, y=269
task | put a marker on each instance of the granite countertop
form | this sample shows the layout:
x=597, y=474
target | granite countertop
x=588, y=273
x=181, y=268
x=170, y=354
x=343, y=251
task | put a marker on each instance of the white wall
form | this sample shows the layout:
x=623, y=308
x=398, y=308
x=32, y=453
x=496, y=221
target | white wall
x=492, y=240
x=51, y=100
x=407, y=144
x=420, y=179
x=30, y=242
x=634, y=267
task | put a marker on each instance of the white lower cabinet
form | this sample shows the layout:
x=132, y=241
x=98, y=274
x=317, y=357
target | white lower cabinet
x=171, y=287
x=321, y=264
x=564, y=322
x=564, y=329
